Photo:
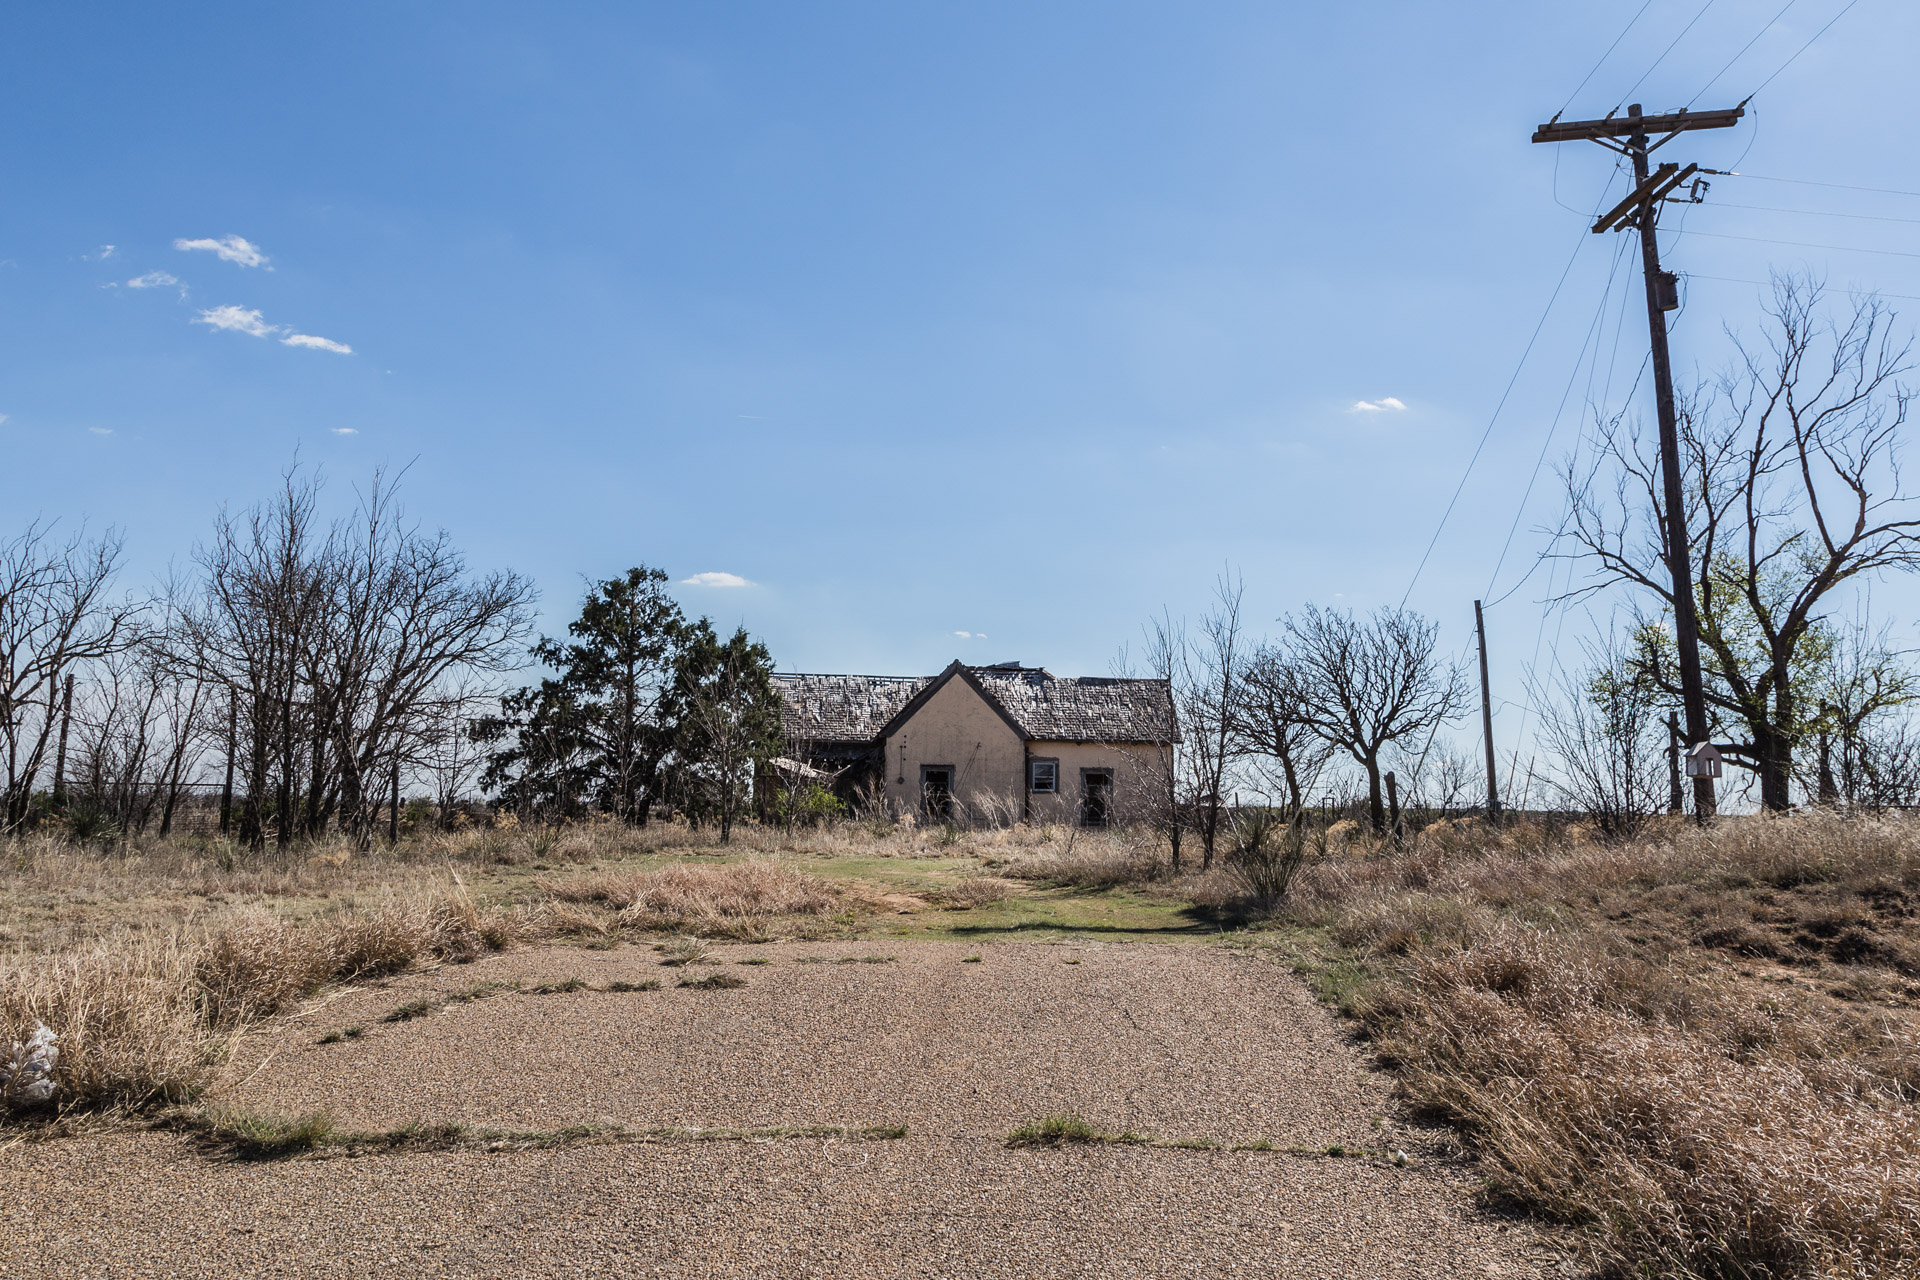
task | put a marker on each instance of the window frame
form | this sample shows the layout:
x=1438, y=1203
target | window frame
x=1032, y=763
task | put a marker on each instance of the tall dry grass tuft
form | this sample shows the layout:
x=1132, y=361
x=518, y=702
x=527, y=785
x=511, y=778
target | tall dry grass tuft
x=1588, y=1014
x=129, y=1017
x=147, y=1018
x=1693, y=1136
x=734, y=900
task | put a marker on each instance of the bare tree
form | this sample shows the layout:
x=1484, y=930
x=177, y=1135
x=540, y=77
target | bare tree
x=1793, y=489
x=1161, y=801
x=1365, y=686
x=55, y=617
x=1271, y=729
x=1863, y=684
x=343, y=649
x=1603, y=726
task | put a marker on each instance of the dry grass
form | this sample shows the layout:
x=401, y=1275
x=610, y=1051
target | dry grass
x=1702, y=1045
x=748, y=900
x=1102, y=860
x=148, y=1017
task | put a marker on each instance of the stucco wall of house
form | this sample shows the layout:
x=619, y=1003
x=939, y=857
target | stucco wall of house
x=1134, y=766
x=956, y=727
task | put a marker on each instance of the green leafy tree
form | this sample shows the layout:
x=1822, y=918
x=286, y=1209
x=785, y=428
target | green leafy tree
x=729, y=723
x=620, y=665
x=542, y=763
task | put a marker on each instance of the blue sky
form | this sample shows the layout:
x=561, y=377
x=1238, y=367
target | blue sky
x=1010, y=319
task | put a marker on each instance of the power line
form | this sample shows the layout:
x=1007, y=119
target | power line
x=1484, y=435
x=1838, y=186
x=1603, y=58
x=1802, y=49
x=1764, y=284
x=1811, y=213
x=1594, y=330
x=1743, y=51
x=1805, y=244
x=1669, y=49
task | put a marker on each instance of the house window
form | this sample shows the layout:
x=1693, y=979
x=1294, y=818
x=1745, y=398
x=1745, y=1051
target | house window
x=1096, y=797
x=1043, y=776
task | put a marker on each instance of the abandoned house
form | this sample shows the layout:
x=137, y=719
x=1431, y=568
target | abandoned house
x=977, y=744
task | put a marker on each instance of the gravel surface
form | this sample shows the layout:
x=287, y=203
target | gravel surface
x=1184, y=1041
x=140, y=1206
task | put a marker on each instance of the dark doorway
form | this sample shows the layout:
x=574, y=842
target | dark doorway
x=936, y=792
x=1096, y=802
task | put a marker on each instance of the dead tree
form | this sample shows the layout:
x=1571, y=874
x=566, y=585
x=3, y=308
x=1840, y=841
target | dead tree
x=1271, y=729
x=55, y=617
x=1366, y=686
x=1794, y=489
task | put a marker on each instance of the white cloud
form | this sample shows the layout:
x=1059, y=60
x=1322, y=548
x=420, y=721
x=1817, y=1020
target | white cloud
x=317, y=344
x=345, y=431
x=1383, y=405
x=152, y=280
x=3, y=419
x=715, y=579
x=101, y=255
x=101, y=431
x=964, y=635
x=238, y=319
x=228, y=249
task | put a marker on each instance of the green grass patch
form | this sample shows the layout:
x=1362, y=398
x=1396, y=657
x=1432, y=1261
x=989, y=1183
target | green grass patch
x=249, y=1135
x=420, y=1008
x=344, y=1033
x=1067, y=1129
x=562, y=987
x=650, y=984
x=714, y=982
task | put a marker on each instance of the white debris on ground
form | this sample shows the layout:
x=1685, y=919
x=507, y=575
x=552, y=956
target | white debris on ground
x=29, y=1077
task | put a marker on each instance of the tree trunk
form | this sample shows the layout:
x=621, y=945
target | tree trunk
x=1376, y=802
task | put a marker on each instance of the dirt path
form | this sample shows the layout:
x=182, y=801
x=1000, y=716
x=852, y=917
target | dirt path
x=1184, y=1042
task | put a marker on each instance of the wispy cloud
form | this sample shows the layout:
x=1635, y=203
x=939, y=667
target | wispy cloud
x=237, y=319
x=317, y=344
x=345, y=431
x=1387, y=404
x=3, y=419
x=971, y=635
x=715, y=579
x=101, y=254
x=248, y=321
x=101, y=431
x=158, y=280
x=232, y=249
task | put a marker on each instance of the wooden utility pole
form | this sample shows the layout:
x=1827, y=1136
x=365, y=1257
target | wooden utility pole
x=1629, y=135
x=1393, y=807
x=233, y=745
x=1486, y=716
x=60, y=752
x=393, y=807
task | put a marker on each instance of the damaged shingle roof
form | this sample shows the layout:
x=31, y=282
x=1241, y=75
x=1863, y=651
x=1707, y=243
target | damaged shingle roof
x=830, y=708
x=842, y=708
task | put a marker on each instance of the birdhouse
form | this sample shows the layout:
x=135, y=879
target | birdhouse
x=1703, y=761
